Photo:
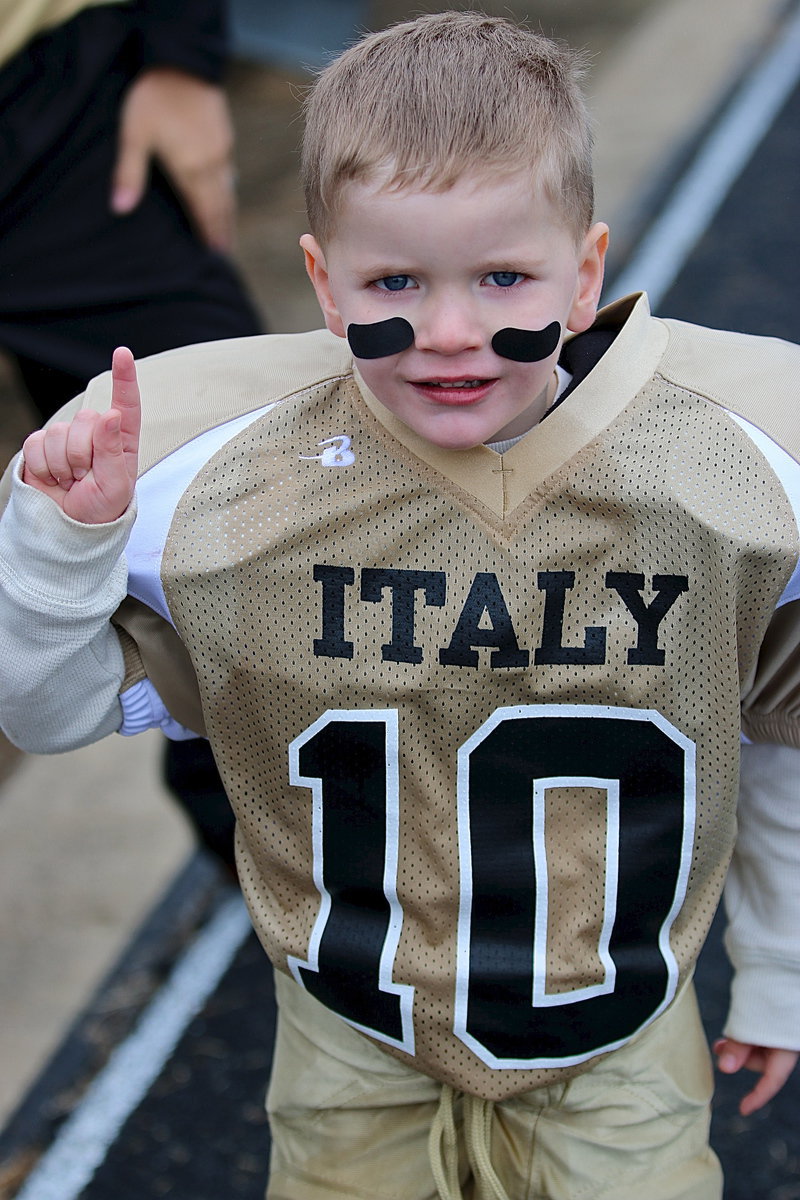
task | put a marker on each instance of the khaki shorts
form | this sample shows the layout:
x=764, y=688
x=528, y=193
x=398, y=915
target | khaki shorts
x=349, y=1121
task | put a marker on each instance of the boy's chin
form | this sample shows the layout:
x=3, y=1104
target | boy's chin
x=467, y=437
x=464, y=442
x=463, y=430
x=457, y=444
x=449, y=436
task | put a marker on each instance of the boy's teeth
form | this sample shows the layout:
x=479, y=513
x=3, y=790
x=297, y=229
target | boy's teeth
x=464, y=383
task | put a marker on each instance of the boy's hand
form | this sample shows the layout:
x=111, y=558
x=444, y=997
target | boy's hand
x=89, y=465
x=775, y=1066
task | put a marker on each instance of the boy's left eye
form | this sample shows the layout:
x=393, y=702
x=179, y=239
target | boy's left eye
x=504, y=279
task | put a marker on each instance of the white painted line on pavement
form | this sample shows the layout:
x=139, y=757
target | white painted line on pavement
x=673, y=235
x=85, y=1137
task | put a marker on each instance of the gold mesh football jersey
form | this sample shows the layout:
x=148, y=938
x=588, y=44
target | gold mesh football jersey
x=478, y=715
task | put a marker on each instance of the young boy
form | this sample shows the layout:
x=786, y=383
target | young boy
x=465, y=592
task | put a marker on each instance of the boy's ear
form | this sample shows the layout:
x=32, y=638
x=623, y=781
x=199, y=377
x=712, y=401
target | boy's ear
x=591, y=268
x=318, y=274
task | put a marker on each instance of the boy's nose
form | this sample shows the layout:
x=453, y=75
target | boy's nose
x=447, y=328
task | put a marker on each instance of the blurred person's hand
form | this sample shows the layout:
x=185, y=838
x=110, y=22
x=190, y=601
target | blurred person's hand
x=184, y=123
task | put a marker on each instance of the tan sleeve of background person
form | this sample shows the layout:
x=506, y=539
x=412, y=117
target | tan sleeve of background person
x=23, y=20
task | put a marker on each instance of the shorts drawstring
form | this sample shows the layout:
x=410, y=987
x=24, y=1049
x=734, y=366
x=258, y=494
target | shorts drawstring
x=443, y=1147
x=478, y=1116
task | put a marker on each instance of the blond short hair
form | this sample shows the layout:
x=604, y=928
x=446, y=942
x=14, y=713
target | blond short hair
x=425, y=102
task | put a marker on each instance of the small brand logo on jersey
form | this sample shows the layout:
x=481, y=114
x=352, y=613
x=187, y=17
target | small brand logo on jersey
x=336, y=453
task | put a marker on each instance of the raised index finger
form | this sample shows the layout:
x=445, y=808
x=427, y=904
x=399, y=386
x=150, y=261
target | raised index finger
x=126, y=400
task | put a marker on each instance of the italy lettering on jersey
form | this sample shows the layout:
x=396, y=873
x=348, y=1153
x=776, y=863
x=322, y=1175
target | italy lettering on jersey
x=478, y=715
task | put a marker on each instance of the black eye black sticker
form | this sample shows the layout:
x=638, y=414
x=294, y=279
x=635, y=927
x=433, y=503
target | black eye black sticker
x=380, y=339
x=527, y=345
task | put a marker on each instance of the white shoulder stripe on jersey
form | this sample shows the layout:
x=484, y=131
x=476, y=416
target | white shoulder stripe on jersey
x=788, y=473
x=158, y=493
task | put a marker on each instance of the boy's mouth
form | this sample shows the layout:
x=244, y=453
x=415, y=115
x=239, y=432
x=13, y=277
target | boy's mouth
x=452, y=383
x=453, y=391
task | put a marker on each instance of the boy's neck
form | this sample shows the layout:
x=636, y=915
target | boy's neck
x=558, y=384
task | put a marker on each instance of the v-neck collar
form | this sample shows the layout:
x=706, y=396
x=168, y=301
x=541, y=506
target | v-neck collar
x=502, y=482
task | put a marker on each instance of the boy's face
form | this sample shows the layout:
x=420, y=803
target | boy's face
x=458, y=265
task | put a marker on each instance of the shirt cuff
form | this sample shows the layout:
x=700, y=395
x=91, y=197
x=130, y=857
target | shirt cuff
x=47, y=544
x=143, y=708
x=763, y=1008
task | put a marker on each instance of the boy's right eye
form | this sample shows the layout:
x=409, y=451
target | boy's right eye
x=393, y=283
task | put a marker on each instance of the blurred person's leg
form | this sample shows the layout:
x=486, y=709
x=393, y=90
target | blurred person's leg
x=191, y=775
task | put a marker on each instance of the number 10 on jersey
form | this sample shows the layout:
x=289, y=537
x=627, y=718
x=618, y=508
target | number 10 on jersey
x=504, y=1011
